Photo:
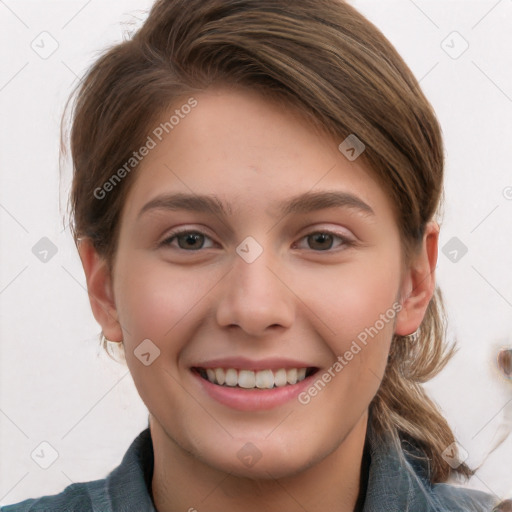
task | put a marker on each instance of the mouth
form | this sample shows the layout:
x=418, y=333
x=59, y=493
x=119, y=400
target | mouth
x=254, y=379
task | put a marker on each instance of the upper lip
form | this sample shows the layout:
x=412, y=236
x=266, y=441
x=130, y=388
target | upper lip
x=242, y=363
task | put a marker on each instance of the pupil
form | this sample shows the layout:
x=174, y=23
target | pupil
x=319, y=240
x=322, y=237
x=191, y=238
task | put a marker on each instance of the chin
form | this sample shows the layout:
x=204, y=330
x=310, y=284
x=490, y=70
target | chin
x=268, y=468
x=261, y=460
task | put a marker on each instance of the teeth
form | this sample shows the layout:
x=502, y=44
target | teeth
x=248, y=379
x=280, y=378
x=220, y=376
x=291, y=376
x=231, y=377
x=265, y=379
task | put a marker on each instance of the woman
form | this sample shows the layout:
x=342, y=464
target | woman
x=254, y=198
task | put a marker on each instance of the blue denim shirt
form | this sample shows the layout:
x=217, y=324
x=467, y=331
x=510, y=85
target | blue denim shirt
x=392, y=486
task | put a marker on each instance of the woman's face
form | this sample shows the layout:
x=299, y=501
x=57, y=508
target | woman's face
x=272, y=282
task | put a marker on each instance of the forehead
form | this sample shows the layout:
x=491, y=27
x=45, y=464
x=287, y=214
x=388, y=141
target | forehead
x=248, y=151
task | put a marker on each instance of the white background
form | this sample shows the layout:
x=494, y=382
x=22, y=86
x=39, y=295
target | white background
x=55, y=384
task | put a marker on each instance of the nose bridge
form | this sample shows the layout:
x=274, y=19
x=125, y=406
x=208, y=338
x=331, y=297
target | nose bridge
x=253, y=296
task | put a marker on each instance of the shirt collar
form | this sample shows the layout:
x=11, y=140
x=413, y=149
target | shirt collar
x=397, y=479
x=130, y=482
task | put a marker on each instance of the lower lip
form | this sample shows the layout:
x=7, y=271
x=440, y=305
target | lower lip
x=253, y=399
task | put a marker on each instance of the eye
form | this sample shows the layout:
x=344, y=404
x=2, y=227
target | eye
x=324, y=240
x=187, y=240
x=191, y=240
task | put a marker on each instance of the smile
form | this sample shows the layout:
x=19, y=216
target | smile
x=249, y=379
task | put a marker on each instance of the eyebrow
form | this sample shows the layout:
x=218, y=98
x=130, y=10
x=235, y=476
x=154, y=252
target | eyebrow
x=302, y=204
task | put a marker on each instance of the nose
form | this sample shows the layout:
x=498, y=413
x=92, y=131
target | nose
x=256, y=297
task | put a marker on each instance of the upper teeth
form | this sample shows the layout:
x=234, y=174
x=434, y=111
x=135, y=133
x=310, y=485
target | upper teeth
x=263, y=379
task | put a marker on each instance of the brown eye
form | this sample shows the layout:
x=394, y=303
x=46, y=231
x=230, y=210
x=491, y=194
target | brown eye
x=190, y=241
x=187, y=240
x=325, y=240
x=321, y=241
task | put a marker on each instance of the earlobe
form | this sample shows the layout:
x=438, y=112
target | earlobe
x=418, y=284
x=99, y=288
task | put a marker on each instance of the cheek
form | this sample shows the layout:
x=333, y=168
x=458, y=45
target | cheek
x=356, y=322
x=159, y=302
x=153, y=299
x=356, y=309
x=351, y=299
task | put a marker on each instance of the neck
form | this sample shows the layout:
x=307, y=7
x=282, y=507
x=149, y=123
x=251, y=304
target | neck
x=182, y=482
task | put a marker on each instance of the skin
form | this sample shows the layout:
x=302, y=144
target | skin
x=295, y=300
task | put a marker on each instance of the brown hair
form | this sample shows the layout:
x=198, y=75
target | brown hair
x=322, y=57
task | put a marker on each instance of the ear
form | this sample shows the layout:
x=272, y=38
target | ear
x=418, y=283
x=99, y=287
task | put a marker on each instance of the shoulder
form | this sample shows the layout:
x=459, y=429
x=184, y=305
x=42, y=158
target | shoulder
x=399, y=480
x=125, y=488
x=445, y=496
x=453, y=497
x=77, y=497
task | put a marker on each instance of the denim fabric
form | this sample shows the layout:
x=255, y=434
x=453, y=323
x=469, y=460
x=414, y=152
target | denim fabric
x=393, y=486
x=396, y=486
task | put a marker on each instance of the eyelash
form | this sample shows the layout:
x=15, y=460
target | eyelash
x=346, y=242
